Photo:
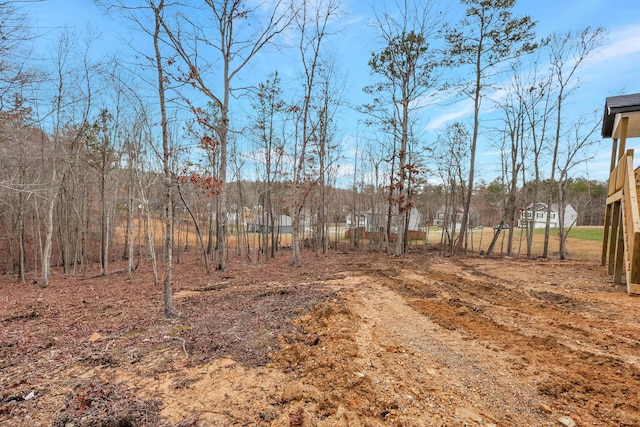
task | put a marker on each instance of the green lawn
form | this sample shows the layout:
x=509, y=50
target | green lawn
x=594, y=233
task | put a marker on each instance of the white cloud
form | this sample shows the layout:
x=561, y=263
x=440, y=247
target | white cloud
x=464, y=108
x=621, y=44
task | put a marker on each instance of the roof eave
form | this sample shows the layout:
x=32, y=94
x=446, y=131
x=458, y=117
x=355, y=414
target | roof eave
x=618, y=105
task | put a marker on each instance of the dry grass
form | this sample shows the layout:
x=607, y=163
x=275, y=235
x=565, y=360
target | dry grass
x=480, y=239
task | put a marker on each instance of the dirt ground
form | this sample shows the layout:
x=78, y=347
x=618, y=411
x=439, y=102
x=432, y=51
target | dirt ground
x=350, y=339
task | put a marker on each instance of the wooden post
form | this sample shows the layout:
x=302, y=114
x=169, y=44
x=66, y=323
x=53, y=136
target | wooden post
x=614, y=152
x=608, y=215
x=624, y=125
x=619, y=250
x=615, y=223
x=605, y=237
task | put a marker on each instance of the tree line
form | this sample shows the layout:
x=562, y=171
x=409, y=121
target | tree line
x=96, y=152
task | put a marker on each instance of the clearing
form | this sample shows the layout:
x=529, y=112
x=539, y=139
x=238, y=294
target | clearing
x=350, y=339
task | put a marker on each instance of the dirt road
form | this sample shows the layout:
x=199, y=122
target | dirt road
x=522, y=342
x=414, y=341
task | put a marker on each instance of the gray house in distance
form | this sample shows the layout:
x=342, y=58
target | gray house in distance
x=283, y=225
x=376, y=222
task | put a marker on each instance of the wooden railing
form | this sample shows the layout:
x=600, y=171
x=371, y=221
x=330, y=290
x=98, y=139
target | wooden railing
x=624, y=178
x=619, y=173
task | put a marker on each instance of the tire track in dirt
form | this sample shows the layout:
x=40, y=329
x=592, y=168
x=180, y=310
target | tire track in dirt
x=597, y=387
x=454, y=381
x=577, y=322
x=596, y=309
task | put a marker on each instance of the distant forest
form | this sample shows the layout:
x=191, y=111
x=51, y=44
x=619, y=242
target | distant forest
x=138, y=156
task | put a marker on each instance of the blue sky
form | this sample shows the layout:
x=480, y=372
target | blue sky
x=615, y=70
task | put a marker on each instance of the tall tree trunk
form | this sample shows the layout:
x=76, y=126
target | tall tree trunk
x=211, y=229
x=554, y=162
x=198, y=232
x=150, y=239
x=267, y=220
x=323, y=136
x=48, y=240
x=561, y=229
x=130, y=233
x=222, y=211
x=21, y=240
x=462, y=242
x=104, y=225
x=402, y=202
x=169, y=310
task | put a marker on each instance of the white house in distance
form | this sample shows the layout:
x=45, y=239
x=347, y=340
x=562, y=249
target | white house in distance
x=540, y=221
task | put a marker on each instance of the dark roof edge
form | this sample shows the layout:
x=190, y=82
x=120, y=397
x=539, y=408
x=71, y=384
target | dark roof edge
x=618, y=105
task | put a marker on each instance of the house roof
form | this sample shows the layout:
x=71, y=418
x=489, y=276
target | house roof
x=615, y=108
x=543, y=206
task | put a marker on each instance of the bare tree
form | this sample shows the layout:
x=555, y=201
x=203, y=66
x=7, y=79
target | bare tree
x=18, y=134
x=567, y=53
x=406, y=65
x=146, y=16
x=269, y=109
x=236, y=34
x=512, y=151
x=139, y=14
x=132, y=152
x=326, y=148
x=574, y=152
x=102, y=156
x=450, y=156
x=490, y=35
x=20, y=180
x=14, y=33
x=534, y=92
x=158, y=12
x=68, y=114
x=313, y=25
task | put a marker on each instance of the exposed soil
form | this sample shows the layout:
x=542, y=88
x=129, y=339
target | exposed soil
x=350, y=339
